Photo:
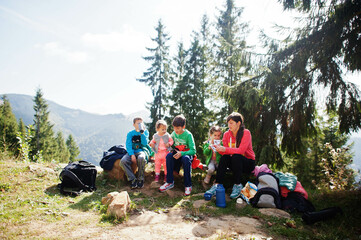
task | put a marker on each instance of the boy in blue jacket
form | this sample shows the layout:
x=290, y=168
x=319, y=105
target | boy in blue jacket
x=137, y=140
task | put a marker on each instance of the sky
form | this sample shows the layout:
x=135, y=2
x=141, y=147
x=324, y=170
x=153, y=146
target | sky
x=87, y=54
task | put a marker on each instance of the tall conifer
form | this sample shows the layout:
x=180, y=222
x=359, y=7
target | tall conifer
x=8, y=127
x=231, y=58
x=157, y=77
x=43, y=142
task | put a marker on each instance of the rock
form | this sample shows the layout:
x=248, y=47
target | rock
x=275, y=212
x=199, y=203
x=240, y=203
x=109, y=198
x=41, y=170
x=117, y=172
x=120, y=205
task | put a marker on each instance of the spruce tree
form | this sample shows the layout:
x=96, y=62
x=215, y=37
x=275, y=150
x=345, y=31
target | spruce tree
x=8, y=128
x=189, y=94
x=231, y=57
x=179, y=90
x=21, y=127
x=43, y=142
x=72, y=148
x=63, y=152
x=157, y=77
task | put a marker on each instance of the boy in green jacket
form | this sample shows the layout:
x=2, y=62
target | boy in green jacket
x=181, y=156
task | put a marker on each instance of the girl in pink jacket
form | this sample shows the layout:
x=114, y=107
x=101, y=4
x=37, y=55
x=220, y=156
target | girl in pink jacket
x=161, y=143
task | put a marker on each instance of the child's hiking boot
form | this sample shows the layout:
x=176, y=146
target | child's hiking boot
x=140, y=184
x=188, y=191
x=210, y=193
x=133, y=184
x=156, y=179
x=236, y=190
x=207, y=179
x=166, y=186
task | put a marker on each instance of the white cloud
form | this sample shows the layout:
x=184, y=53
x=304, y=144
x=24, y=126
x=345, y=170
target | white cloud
x=128, y=40
x=55, y=49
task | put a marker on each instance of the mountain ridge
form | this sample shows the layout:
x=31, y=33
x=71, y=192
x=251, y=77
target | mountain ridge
x=93, y=133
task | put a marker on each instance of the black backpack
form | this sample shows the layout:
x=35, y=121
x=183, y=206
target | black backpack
x=77, y=177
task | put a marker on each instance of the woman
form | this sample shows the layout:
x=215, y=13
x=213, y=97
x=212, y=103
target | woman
x=237, y=154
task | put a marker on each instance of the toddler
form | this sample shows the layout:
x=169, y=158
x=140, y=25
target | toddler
x=212, y=156
x=161, y=143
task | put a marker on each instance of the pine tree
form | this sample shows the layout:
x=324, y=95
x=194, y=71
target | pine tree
x=231, y=58
x=43, y=142
x=73, y=149
x=157, y=77
x=8, y=128
x=21, y=127
x=179, y=90
x=189, y=94
x=63, y=152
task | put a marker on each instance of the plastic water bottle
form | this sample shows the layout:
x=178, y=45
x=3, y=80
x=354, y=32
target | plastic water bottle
x=220, y=196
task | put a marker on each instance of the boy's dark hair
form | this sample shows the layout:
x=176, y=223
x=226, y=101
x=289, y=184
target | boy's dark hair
x=136, y=119
x=179, y=121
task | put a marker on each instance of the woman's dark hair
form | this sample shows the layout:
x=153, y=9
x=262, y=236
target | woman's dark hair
x=237, y=117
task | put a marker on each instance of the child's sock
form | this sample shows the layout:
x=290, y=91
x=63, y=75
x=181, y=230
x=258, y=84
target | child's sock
x=156, y=179
x=207, y=179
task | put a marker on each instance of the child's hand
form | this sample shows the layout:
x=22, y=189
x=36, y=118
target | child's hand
x=220, y=148
x=177, y=155
x=167, y=145
x=152, y=144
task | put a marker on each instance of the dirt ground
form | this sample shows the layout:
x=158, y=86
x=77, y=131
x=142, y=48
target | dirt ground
x=173, y=223
x=150, y=225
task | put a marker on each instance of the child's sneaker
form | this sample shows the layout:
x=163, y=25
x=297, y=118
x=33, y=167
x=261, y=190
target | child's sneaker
x=188, y=191
x=210, y=193
x=156, y=179
x=166, y=186
x=133, y=184
x=140, y=184
x=236, y=190
x=207, y=179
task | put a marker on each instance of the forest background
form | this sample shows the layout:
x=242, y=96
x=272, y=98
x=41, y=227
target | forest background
x=294, y=96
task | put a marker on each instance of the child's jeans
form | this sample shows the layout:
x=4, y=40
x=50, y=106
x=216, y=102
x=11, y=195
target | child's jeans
x=212, y=166
x=126, y=164
x=175, y=165
x=160, y=160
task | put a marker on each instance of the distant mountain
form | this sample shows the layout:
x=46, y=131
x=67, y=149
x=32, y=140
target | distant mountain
x=93, y=133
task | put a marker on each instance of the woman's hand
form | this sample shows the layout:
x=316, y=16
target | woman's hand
x=220, y=148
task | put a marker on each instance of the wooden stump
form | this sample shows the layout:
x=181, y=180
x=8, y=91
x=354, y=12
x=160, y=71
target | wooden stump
x=118, y=173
